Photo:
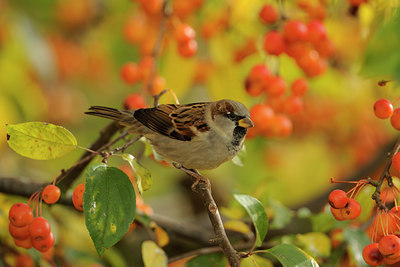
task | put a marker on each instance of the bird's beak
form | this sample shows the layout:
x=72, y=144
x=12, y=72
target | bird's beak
x=246, y=122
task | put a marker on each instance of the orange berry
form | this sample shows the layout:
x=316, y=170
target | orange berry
x=51, y=194
x=77, y=196
x=352, y=210
x=20, y=214
x=338, y=199
x=371, y=255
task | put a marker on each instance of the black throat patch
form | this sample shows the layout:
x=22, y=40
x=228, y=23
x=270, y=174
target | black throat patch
x=238, y=135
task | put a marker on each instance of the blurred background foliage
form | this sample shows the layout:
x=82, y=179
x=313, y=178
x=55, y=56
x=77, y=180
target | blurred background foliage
x=59, y=57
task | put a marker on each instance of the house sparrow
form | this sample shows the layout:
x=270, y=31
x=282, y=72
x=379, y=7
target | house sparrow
x=197, y=136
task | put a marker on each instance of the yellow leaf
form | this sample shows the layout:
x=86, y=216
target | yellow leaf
x=39, y=140
x=161, y=236
x=237, y=226
x=153, y=255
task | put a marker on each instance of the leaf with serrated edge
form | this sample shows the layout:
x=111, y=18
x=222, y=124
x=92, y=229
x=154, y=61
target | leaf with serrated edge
x=257, y=214
x=40, y=140
x=153, y=255
x=289, y=256
x=109, y=205
x=142, y=175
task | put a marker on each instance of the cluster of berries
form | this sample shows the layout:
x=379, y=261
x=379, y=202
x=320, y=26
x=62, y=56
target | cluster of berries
x=271, y=118
x=386, y=251
x=308, y=44
x=28, y=231
x=343, y=207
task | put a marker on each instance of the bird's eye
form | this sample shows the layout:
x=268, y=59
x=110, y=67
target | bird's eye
x=231, y=115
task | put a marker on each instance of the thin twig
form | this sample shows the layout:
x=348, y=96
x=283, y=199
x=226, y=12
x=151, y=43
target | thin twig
x=166, y=12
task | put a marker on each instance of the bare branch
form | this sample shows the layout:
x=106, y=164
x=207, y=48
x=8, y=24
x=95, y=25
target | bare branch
x=203, y=187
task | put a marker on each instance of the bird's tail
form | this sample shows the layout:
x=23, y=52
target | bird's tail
x=124, y=117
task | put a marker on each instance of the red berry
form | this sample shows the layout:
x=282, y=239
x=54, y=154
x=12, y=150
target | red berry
x=130, y=73
x=296, y=49
x=383, y=109
x=20, y=233
x=316, y=32
x=268, y=14
x=396, y=161
x=281, y=126
x=44, y=244
x=311, y=63
x=25, y=243
x=77, y=196
x=256, y=80
x=259, y=73
x=299, y=87
x=338, y=199
x=253, y=89
x=276, y=86
x=39, y=228
x=325, y=48
x=293, y=105
x=134, y=101
x=395, y=119
x=24, y=260
x=389, y=245
x=390, y=260
x=352, y=210
x=20, y=214
x=188, y=49
x=51, y=194
x=184, y=33
x=371, y=255
x=261, y=115
x=295, y=30
x=337, y=214
x=274, y=43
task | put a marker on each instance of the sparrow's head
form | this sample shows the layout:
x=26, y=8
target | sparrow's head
x=228, y=115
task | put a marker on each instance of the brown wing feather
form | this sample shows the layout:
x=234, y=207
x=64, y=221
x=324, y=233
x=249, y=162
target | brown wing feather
x=174, y=121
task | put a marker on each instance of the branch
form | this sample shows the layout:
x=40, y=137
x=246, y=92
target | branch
x=66, y=178
x=385, y=175
x=203, y=187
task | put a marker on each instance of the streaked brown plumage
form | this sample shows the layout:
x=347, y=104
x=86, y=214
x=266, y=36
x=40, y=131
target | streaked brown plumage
x=197, y=136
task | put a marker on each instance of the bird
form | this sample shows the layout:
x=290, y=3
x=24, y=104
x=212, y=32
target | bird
x=196, y=136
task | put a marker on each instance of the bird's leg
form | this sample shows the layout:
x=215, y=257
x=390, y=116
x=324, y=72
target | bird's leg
x=195, y=174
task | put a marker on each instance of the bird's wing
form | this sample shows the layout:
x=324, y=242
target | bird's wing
x=175, y=121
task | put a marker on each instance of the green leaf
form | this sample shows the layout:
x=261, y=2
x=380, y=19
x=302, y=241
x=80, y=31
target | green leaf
x=323, y=221
x=209, y=260
x=142, y=175
x=282, y=214
x=289, y=255
x=109, y=205
x=257, y=214
x=385, y=41
x=356, y=239
x=316, y=244
x=40, y=140
x=153, y=255
x=255, y=260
